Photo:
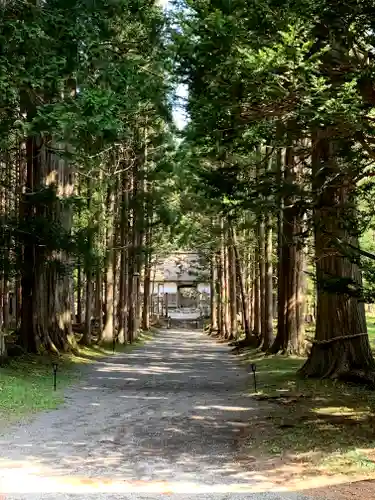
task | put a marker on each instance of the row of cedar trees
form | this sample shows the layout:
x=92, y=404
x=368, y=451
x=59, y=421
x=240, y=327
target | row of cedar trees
x=58, y=291
x=127, y=211
x=246, y=287
x=84, y=118
x=243, y=274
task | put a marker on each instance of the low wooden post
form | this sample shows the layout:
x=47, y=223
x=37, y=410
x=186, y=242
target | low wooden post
x=166, y=305
x=158, y=301
x=2, y=345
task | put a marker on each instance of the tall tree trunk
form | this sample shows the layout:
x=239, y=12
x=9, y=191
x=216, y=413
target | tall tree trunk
x=124, y=245
x=242, y=287
x=139, y=272
x=99, y=300
x=147, y=276
x=108, y=330
x=79, y=277
x=219, y=293
x=87, y=334
x=29, y=261
x=144, y=262
x=146, y=295
x=213, y=295
x=45, y=316
x=268, y=278
x=268, y=331
x=79, y=293
x=153, y=271
x=34, y=315
x=117, y=273
x=288, y=338
x=225, y=280
x=252, y=297
x=132, y=230
x=257, y=295
x=341, y=348
x=232, y=275
x=262, y=275
x=7, y=246
x=6, y=302
x=64, y=181
x=19, y=208
x=300, y=296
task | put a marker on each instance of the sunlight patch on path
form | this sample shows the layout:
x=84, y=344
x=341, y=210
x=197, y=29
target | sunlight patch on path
x=30, y=480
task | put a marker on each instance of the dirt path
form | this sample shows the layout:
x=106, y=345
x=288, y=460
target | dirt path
x=169, y=418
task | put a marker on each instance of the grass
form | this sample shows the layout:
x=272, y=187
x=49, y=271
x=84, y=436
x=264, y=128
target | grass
x=26, y=386
x=26, y=383
x=326, y=425
x=93, y=352
x=371, y=330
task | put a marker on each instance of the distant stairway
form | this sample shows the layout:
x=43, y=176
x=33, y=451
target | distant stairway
x=186, y=318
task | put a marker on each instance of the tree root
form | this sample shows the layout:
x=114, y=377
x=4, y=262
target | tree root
x=347, y=360
x=239, y=345
x=358, y=377
x=247, y=342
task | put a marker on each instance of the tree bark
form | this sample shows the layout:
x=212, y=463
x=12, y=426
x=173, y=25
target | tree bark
x=341, y=348
x=289, y=329
x=225, y=301
x=268, y=331
x=87, y=334
x=242, y=287
x=262, y=276
x=124, y=245
x=219, y=294
x=79, y=278
x=213, y=295
x=117, y=274
x=147, y=277
x=300, y=296
x=252, y=298
x=132, y=231
x=30, y=253
x=79, y=293
x=257, y=295
x=232, y=282
x=99, y=300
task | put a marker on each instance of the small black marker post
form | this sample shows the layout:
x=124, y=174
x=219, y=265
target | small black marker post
x=55, y=366
x=254, y=369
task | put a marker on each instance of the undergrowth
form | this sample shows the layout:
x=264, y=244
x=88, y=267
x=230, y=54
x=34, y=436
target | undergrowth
x=326, y=424
x=26, y=382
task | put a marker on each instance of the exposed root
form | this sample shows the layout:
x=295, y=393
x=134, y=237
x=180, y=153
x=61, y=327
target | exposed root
x=349, y=361
x=239, y=346
x=359, y=377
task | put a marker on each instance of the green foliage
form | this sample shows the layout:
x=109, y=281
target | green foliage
x=87, y=80
x=269, y=75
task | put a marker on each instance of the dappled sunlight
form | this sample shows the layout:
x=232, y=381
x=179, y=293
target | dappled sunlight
x=150, y=370
x=152, y=398
x=341, y=411
x=29, y=483
x=174, y=413
x=224, y=408
x=318, y=433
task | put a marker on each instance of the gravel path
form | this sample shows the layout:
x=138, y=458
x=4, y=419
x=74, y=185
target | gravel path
x=166, y=419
